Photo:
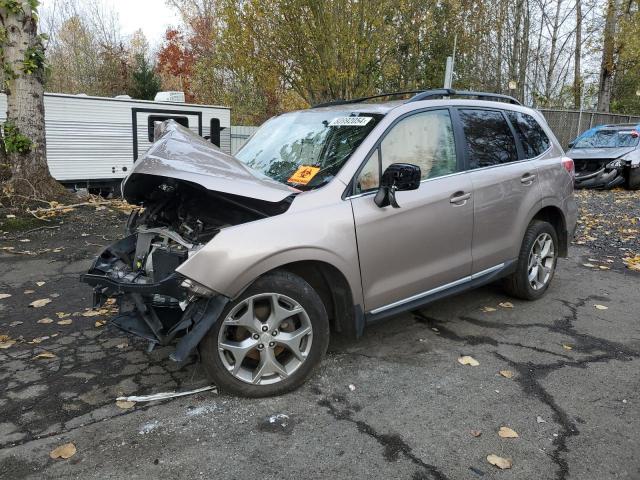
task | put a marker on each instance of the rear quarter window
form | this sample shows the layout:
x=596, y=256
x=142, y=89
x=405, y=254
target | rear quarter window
x=532, y=137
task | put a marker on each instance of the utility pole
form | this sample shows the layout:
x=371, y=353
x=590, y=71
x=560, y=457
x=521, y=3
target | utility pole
x=450, y=65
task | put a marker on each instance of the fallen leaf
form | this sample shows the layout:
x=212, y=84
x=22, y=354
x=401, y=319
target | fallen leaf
x=475, y=433
x=45, y=355
x=40, y=283
x=604, y=267
x=123, y=404
x=40, y=303
x=6, y=343
x=65, y=451
x=468, y=360
x=506, y=432
x=122, y=345
x=28, y=292
x=506, y=373
x=16, y=323
x=567, y=346
x=25, y=240
x=11, y=216
x=68, y=321
x=91, y=313
x=45, y=320
x=601, y=307
x=62, y=314
x=501, y=463
x=4, y=295
x=539, y=419
x=488, y=309
x=100, y=323
x=589, y=265
x=506, y=305
x=40, y=339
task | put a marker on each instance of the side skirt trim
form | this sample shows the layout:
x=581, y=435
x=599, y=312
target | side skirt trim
x=420, y=299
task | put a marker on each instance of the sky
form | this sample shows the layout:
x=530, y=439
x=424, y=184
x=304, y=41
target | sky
x=152, y=16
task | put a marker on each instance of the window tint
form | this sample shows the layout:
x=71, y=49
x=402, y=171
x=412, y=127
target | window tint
x=151, y=122
x=489, y=138
x=534, y=140
x=424, y=139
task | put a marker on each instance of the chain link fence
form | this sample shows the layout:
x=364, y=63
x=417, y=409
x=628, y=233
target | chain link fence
x=568, y=124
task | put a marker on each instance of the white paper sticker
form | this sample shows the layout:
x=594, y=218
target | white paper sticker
x=350, y=121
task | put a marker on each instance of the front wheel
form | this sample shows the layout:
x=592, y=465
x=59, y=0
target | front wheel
x=269, y=340
x=536, y=262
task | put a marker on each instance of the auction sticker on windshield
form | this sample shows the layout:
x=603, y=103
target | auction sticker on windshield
x=350, y=121
x=303, y=174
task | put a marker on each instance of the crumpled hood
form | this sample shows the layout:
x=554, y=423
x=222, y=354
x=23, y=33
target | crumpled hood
x=181, y=154
x=589, y=153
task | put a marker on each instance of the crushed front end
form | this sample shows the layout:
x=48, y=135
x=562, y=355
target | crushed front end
x=155, y=302
x=188, y=190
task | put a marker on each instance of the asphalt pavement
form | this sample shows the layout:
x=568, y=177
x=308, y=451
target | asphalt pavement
x=394, y=404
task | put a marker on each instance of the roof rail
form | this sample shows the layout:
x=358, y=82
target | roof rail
x=448, y=92
x=427, y=95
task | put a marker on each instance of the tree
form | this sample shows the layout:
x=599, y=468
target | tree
x=23, y=143
x=144, y=81
x=608, y=64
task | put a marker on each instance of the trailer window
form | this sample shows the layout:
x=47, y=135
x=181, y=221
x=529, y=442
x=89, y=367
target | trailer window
x=151, y=122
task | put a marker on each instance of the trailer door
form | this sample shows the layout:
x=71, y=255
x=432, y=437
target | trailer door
x=144, y=119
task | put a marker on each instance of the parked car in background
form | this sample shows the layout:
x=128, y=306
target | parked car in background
x=607, y=156
x=329, y=219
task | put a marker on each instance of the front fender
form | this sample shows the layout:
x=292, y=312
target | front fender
x=238, y=255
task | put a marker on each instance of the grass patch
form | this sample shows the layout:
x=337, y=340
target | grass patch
x=20, y=224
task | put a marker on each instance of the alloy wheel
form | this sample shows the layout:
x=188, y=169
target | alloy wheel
x=265, y=339
x=542, y=258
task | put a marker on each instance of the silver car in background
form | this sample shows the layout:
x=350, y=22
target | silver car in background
x=330, y=219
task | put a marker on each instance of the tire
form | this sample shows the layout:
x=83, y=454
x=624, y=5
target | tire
x=518, y=284
x=253, y=315
x=632, y=181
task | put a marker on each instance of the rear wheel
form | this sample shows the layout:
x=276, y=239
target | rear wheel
x=536, y=262
x=633, y=179
x=269, y=340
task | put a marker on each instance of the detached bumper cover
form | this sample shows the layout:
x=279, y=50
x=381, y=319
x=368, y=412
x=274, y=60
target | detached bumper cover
x=157, y=311
x=603, y=178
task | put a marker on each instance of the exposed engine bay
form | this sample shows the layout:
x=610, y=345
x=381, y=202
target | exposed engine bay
x=176, y=220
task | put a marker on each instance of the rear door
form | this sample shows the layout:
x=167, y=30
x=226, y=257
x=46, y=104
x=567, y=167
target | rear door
x=425, y=244
x=505, y=186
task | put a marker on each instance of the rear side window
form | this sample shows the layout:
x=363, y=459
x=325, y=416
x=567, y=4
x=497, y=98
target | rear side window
x=489, y=138
x=534, y=141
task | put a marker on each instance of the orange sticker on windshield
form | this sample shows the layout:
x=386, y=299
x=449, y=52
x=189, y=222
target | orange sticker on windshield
x=303, y=175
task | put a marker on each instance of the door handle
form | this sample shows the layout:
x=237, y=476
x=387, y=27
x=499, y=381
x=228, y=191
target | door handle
x=527, y=178
x=459, y=198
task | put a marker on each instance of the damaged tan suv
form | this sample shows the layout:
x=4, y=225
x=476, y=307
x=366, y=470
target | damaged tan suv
x=329, y=219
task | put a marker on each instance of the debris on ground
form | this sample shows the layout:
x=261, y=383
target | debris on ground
x=468, y=360
x=506, y=432
x=164, y=395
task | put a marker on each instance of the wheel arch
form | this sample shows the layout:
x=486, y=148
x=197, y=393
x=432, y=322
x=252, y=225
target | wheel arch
x=332, y=286
x=554, y=215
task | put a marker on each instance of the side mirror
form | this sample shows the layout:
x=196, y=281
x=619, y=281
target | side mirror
x=397, y=176
x=571, y=144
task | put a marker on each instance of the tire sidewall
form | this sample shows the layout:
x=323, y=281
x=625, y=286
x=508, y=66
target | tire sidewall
x=533, y=232
x=292, y=286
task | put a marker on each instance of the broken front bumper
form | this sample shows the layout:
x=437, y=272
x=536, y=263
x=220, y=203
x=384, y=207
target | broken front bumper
x=604, y=178
x=159, y=311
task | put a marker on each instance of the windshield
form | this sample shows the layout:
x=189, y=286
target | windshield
x=306, y=149
x=608, y=139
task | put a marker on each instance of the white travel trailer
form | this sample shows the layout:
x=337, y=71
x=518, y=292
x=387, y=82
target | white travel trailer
x=94, y=141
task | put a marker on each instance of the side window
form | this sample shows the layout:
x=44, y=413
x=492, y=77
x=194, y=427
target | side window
x=534, y=140
x=424, y=139
x=489, y=138
x=151, y=122
x=369, y=177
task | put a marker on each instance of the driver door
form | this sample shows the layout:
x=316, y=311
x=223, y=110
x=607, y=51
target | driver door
x=426, y=243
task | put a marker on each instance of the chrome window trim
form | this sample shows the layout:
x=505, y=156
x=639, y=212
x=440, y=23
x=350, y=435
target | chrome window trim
x=439, y=289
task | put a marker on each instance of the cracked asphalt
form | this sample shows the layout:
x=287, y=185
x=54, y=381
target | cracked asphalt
x=574, y=398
